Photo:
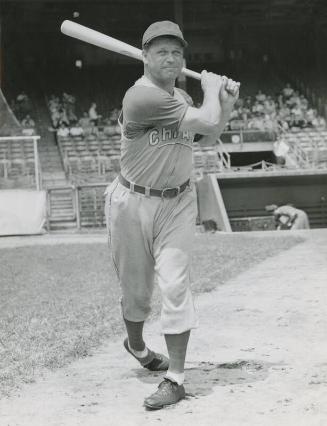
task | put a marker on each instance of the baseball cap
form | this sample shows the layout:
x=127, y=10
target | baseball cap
x=163, y=28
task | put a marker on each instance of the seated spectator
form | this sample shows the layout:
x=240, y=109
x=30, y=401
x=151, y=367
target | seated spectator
x=63, y=119
x=28, y=126
x=93, y=115
x=260, y=97
x=63, y=131
x=318, y=122
x=256, y=123
x=28, y=123
x=304, y=102
x=85, y=120
x=280, y=150
x=310, y=115
x=269, y=105
x=23, y=104
x=258, y=107
x=76, y=129
x=269, y=123
x=287, y=91
x=91, y=130
x=294, y=100
x=69, y=106
x=299, y=118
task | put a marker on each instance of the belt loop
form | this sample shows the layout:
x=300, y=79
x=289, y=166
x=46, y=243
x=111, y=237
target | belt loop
x=147, y=191
x=131, y=186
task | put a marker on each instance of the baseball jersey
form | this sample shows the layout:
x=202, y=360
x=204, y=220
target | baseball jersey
x=154, y=152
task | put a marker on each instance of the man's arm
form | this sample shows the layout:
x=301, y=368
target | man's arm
x=219, y=96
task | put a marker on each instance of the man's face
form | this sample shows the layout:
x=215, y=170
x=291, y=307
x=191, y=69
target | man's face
x=164, y=58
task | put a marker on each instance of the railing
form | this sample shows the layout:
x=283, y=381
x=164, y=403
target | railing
x=300, y=155
x=223, y=155
x=87, y=202
x=37, y=169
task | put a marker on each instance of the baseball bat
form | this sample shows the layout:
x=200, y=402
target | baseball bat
x=96, y=38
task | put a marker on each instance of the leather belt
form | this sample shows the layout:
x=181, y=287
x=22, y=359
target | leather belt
x=163, y=193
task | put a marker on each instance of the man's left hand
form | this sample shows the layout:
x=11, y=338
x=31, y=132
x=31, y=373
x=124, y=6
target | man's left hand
x=229, y=93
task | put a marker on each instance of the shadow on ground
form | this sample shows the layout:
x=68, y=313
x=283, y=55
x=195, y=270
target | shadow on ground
x=202, y=377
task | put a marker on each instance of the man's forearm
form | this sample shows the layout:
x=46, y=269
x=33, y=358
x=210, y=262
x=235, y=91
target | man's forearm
x=223, y=119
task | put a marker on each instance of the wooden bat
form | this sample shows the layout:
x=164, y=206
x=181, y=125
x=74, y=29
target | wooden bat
x=96, y=38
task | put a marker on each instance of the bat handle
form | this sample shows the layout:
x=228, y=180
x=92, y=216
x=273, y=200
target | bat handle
x=192, y=74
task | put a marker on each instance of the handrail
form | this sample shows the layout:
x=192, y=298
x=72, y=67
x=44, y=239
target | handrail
x=223, y=155
x=36, y=137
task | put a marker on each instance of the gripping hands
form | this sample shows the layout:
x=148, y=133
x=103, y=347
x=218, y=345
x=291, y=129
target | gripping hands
x=226, y=88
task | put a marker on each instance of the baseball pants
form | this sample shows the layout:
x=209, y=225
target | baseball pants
x=150, y=238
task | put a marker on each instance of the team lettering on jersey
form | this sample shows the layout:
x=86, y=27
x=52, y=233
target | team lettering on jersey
x=165, y=136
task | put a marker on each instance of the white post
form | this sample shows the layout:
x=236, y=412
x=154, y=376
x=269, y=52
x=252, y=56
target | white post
x=36, y=164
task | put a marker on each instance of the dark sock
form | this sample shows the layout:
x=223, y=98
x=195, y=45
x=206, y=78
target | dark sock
x=135, y=334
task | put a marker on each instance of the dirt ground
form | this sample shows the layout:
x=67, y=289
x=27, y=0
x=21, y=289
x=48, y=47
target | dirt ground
x=258, y=357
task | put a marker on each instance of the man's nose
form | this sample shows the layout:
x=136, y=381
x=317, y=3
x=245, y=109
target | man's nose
x=170, y=57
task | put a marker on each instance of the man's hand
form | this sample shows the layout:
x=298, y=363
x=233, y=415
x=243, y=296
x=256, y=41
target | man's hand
x=229, y=93
x=211, y=82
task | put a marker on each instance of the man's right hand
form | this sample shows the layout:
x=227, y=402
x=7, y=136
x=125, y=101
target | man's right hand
x=211, y=82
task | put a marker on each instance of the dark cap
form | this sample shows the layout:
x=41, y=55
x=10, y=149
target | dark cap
x=163, y=28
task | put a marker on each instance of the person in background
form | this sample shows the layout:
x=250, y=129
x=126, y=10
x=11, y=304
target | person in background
x=289, y=217
x=93, y=115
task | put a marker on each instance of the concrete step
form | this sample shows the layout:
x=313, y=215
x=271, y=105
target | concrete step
x=56, y=226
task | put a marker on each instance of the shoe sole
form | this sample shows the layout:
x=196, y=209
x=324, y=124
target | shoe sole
x=156, y=407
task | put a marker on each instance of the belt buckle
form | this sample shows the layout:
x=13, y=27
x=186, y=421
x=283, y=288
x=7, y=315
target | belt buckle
x=166, y=194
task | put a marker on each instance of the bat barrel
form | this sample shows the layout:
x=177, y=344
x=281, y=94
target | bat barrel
x=96, y=38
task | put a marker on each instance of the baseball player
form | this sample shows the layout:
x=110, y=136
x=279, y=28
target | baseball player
x=151, y=206
x=289, y=217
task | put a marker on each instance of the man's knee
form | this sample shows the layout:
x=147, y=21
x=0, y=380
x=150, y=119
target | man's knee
x=136, y=307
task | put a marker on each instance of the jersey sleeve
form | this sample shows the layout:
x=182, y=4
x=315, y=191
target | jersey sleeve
x=147, y=107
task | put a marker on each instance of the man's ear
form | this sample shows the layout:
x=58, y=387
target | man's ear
x=144, y=56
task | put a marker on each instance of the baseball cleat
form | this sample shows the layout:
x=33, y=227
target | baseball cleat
x=168, y=393
x=153, y=361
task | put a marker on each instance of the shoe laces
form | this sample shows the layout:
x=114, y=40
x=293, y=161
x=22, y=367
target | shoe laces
x=166, y=386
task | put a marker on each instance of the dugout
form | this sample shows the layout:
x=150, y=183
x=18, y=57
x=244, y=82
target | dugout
x=245, y=196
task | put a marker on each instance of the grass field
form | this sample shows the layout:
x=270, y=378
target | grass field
x=59, y=302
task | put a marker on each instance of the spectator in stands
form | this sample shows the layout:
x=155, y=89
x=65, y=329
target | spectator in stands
x=76, y=129
x=289, y=217
x=93, y=115
x=304, y=102
x=28, y=126
x=294, y=100
x=84, y=121
x=269, y=105
x=299, y=120
x=63, y=119
x=280, y=150
x=260, y=97
x=63, y=131
x=318, y=122
x=23, y=104
x=69, y=106
x=258, y=107
x=287, y=91
x=256, y=122
x=92, y=129
x=27, y=122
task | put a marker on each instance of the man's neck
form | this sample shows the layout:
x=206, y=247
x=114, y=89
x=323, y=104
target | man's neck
x=168, y=86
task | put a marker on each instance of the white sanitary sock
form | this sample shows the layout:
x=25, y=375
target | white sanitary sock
x=139, y=354
x=175, y=377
